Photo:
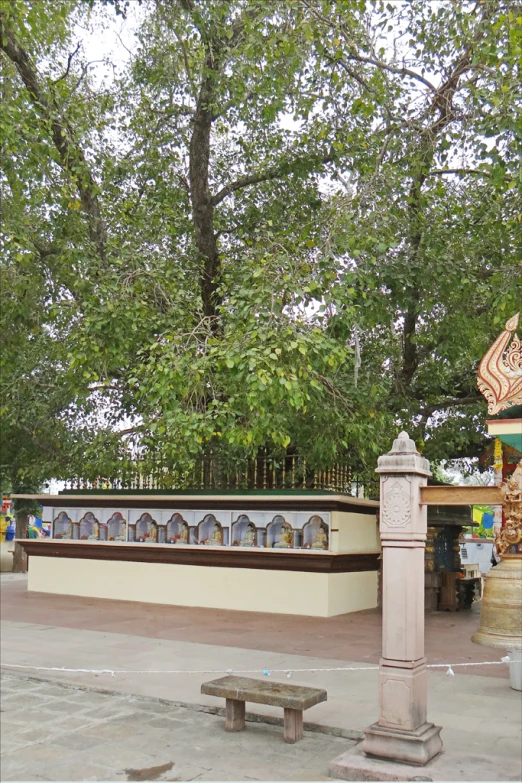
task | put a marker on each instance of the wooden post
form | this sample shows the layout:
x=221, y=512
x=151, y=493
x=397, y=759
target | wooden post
x=235, y=720
x=402, y=732
x=293, y=725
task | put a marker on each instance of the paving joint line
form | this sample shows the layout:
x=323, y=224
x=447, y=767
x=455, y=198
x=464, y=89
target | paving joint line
x=251, y=717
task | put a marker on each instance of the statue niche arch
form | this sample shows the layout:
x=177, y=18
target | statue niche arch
x=315, y=533
x=89, y=527
x=244, y=532
x=177, y=530
x=210, y=531
x=146, y=529
x=116, y=528
x=279, y=533
x=62, y=526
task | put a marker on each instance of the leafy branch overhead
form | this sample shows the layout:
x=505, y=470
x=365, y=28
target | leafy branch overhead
x=196, y=231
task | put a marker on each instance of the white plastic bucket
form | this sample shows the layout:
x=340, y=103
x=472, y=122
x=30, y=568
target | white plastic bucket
x=515, y=669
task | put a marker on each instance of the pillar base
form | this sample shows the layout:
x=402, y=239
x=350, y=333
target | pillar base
x=409, y=747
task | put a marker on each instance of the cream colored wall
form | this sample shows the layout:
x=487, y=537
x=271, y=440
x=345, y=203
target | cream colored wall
x=280, y=592
x=288, y=592
x=6, y=556
x=351, y=592
x=356, y=532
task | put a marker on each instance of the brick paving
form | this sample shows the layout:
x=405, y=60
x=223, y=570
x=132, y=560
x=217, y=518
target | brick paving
x=349, y=637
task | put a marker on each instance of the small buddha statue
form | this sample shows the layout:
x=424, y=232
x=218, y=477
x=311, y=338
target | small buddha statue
x=321, y=539
x=123, y=533
x=184, y=534
x=215, y=539
x=285, y=539
x=153, y=534
x=250, y=536
x=95, y=532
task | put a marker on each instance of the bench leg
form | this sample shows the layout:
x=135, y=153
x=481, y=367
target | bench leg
x=235, y=715
x=293, y=722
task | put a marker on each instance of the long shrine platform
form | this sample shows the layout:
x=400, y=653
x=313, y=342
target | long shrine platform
x=313, y=553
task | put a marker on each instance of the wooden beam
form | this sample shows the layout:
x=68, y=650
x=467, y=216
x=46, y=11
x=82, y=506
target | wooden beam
x=461, y=496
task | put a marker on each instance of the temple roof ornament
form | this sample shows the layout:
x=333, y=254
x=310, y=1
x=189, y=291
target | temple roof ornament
x=500, y=371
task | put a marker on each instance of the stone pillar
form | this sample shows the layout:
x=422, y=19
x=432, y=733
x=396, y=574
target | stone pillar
x=402, y=732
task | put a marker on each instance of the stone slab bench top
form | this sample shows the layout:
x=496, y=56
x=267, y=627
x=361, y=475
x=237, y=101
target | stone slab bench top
x=277, y=694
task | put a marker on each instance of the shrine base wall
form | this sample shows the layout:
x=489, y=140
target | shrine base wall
x=243, y=589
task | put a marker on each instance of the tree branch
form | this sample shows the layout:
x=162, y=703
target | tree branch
x=186, y=62
x=72, y=159
x=463, y=172
x=69, y=61
x=429, y=409
x=478, y=172
x=264, y=176
x=401, y=71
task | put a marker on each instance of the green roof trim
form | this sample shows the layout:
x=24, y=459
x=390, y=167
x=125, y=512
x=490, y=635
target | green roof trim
x=514, y=440
x=202, y=492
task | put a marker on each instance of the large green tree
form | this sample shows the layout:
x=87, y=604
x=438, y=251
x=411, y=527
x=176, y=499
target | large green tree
x=286, y=224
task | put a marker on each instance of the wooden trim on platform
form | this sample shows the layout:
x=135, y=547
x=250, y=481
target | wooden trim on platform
x=295, y=560
x=461, y=496
x=219, y=502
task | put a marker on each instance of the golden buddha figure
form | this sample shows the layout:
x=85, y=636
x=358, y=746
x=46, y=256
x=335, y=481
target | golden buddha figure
x=321, y=539
x=250, y=536
x=285, y=539
x=216, y=537
x=153, y=534
x=184, y=534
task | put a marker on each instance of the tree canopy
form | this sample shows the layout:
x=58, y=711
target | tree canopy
x=279, y=225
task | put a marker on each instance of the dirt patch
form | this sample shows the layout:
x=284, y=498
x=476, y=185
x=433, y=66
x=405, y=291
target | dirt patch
x=149, y=773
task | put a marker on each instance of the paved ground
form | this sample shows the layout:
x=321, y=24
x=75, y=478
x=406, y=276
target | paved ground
x=349, y=637
x=55, y=732
x=478, y=711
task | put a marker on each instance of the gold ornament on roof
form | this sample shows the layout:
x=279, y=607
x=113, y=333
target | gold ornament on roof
x=511, y=533
x=499, y=373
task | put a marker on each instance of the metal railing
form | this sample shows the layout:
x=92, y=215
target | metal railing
x=290, y=473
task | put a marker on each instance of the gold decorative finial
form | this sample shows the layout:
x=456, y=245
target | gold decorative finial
x=500, y=377
x=511, y=533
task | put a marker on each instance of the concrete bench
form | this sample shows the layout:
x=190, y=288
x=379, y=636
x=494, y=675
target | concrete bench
x=238, y=690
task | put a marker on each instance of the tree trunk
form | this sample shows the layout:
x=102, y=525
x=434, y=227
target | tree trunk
x=202, y=206
x=20, y=558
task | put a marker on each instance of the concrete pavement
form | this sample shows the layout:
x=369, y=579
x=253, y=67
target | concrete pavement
x=350, y=637
x=56, y=732
x=480, y=714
